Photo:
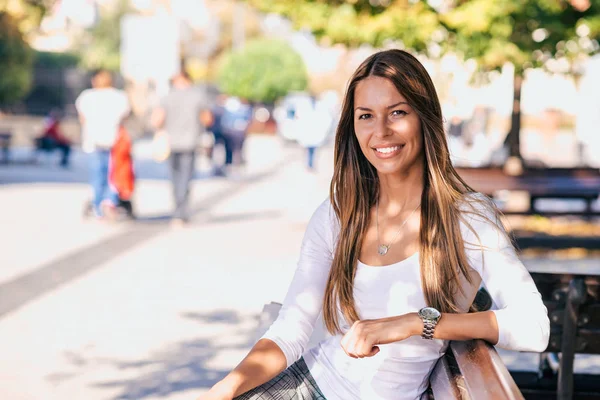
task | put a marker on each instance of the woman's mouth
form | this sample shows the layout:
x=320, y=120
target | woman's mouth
x=388, y=151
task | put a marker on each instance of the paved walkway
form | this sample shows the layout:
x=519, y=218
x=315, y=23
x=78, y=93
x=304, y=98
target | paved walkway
x=90, y=310
x=96, y=311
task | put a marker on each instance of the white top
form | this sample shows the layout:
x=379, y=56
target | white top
x=400, y=370
x=102, y=110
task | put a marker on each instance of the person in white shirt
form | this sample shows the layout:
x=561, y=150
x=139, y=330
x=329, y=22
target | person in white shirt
x=314, y=123
x=101, y=111
x=392, y=260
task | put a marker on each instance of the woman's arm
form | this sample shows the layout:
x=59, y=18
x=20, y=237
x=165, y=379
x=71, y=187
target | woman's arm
x=363, y=338
x=520, y=315
x=518, y=320
x=262, y=363
x=286, y=339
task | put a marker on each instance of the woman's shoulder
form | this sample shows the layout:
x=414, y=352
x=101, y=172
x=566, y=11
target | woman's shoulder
x=478, y=206
x=325, y=213
x=479, y=217
x=324, y=220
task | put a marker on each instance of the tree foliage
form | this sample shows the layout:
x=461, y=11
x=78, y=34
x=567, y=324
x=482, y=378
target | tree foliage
x=15, y=61
x=100, y=45
x=525, y=33
x=357, y=22
x=27, y=13
x=262, y=71
x=553, y=34
x=492, y=32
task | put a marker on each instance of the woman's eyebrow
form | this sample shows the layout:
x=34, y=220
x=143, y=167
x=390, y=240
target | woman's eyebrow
x=388, y=107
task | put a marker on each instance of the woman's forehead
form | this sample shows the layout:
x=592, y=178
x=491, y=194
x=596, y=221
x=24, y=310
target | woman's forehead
x=375, y=91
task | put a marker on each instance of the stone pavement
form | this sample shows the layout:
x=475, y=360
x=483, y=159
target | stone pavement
x=95, y=311
x=90, y=310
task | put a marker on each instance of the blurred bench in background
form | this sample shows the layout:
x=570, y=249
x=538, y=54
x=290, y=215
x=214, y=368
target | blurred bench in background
x=550, y=183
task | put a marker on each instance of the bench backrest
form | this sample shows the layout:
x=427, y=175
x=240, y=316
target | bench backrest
x=472, y=370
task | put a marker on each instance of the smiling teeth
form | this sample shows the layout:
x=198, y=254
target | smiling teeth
x=386, y=150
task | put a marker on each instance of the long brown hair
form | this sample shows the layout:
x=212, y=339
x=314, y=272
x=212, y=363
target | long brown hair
x=355, y=188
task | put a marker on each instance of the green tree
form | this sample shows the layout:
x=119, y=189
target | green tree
x=263, y=71
x=527, y=34
x=27, y=13
x=356, y=22
x=15, y=61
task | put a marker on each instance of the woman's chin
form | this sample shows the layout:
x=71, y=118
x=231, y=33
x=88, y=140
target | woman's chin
x=397, y=168
x=389, y=169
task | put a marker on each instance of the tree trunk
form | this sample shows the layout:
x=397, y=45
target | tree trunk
x=513, y=138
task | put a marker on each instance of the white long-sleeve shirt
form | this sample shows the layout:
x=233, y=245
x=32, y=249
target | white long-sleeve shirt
x=400, y=370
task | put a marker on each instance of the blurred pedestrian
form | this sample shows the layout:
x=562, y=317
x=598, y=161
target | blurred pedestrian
x=53, y=139
x=216, y=127
x=314, y=123
x=183, y=114
x=101, y=110
x=235, y=122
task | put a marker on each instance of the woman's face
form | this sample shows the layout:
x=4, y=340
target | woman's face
x=386, y=126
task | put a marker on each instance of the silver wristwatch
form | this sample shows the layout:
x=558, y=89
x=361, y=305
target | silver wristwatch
x=430, y=317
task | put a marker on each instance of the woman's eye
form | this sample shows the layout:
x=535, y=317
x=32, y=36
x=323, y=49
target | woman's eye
x=364, y=116
x=396, y=113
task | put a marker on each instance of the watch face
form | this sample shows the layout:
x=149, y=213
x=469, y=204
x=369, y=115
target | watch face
x=429, y=313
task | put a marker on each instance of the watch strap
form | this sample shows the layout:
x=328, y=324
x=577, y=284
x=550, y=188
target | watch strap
x=428, y=329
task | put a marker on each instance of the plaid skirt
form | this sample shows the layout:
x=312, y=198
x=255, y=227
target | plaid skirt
x=294, y=383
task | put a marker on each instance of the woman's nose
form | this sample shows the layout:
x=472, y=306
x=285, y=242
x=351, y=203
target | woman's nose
x=382, y=128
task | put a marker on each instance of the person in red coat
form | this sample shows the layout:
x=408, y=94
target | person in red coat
x=121, y=174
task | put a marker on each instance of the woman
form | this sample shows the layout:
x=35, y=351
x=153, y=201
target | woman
x=398, y=252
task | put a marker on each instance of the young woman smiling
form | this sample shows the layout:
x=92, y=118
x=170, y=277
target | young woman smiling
x=393, y=259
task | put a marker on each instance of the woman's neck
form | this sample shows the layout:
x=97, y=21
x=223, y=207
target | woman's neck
x=398, y=193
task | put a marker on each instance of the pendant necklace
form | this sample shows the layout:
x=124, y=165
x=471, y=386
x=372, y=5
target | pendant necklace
x=383, y=248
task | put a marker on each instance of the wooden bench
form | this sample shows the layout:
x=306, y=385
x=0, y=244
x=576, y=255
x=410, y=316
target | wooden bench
x=547, y=183
x=469, y=370
x=572, y=295
x=472, y=370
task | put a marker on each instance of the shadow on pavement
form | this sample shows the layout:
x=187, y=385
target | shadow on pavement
x=22, y=289
x=237, y=217
x=185, y=365
x=19, y=291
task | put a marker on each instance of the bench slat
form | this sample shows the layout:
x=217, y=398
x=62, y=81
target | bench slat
x=486, y=376
x=444, y=383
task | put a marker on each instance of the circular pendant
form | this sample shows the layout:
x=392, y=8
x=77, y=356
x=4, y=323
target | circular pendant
x=383, y=249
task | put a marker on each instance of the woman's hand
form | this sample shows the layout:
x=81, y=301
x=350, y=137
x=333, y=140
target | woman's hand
x=363, y=338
